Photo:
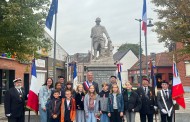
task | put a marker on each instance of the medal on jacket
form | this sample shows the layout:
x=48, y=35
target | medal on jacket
x=82, y=99
x=68, y=107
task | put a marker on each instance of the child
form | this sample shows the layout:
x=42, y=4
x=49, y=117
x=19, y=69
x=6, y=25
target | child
x=132, y=102
x=68, y=108
x=91, y=105
x=70, y=87
x=80, y=93
x=103, y=103
x=54, y=107
x=115, y=104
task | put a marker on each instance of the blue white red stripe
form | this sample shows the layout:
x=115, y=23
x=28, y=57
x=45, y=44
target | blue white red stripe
x=175, y=71
x=75, y=79
x=144, y=17
x=32, y=102
x=177, y=88
x=119, y=70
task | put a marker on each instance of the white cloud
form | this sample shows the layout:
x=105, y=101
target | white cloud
x=76, y=18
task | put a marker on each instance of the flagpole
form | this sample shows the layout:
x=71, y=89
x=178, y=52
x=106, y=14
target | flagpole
x=54, y=58
x=174, y=60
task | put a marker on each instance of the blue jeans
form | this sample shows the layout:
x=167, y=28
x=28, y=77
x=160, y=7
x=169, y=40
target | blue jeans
x=43, y=114
x=91, y=117
x=104, y=118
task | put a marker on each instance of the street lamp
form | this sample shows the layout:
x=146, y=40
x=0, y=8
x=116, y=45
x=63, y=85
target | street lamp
x=148, y=25
x=140, y=56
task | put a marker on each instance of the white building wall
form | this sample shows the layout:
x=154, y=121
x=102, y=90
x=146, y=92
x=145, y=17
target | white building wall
x=61, y=54
x=128, y=61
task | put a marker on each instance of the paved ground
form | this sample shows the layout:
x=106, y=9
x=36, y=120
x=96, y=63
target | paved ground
x=181, y=115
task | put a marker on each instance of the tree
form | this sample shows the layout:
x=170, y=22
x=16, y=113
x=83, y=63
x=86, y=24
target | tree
x=133, y=47
x=22, y=27
x=174, y=24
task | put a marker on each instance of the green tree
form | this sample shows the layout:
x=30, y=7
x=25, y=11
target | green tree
x=174, y=22
x=133, y=47
x=22, y=27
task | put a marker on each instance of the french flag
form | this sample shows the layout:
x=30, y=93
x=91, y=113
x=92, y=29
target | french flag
x=75, y=79
x=177, y=88
x=119, y=70
x=144, y=18
x=34, y=90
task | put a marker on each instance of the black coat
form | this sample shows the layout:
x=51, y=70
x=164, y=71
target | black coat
x=148, y=101
x=79, y=101
x=55, y=108
x=14, y=102
x=93, y=83
x=132, y=102
x=168, y=101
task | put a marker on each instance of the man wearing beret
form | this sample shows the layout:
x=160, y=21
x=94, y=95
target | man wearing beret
x=14, y=102
x=148, y=101
x=165, y=102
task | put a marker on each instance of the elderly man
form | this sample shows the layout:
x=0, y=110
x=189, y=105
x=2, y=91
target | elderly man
x=98, y=40
x=90, y=82
x=14, y=102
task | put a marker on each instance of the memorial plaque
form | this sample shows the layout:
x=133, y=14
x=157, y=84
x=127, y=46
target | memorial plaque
x=102, y=74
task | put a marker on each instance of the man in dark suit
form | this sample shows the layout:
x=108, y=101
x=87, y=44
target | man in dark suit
x=165, y=103
x=61, y=79
x=113, y=80
x=148, y=101
x=14, y=102
x=90, y=82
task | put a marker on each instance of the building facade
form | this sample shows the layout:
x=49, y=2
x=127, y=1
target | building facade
x=184, y=68
x=9, y=70
x=127, y=58
x=163, y=68
x=82, y=60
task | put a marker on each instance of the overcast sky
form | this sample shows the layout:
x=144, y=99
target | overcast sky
x=77, y=17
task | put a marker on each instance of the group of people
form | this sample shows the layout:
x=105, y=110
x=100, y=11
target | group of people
x=86, y=104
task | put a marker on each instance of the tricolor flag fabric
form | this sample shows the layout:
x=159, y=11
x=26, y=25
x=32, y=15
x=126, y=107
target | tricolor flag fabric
x=119, y=70
x=177, y=88
x=153, y=77
x=34, y=90
x=53, y=10
x=144, y=18
x=75, y=80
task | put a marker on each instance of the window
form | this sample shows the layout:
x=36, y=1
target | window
x=187, y=68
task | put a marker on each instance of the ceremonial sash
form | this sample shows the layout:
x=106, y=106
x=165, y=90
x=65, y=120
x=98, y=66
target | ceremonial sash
x=169, y=111
x=86, y=85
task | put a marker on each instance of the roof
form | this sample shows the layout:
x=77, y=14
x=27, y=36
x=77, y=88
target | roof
x=120, y=54
x=81, y=57
x=162, y=60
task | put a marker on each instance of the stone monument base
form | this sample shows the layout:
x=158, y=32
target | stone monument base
x=102, y=70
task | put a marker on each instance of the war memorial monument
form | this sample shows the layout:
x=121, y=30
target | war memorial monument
x=102, y=63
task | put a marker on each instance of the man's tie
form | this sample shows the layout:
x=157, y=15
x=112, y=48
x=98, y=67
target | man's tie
x=145, y=90
x=166, y=92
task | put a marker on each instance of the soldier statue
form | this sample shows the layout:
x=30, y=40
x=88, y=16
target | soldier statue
x=98, y=40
